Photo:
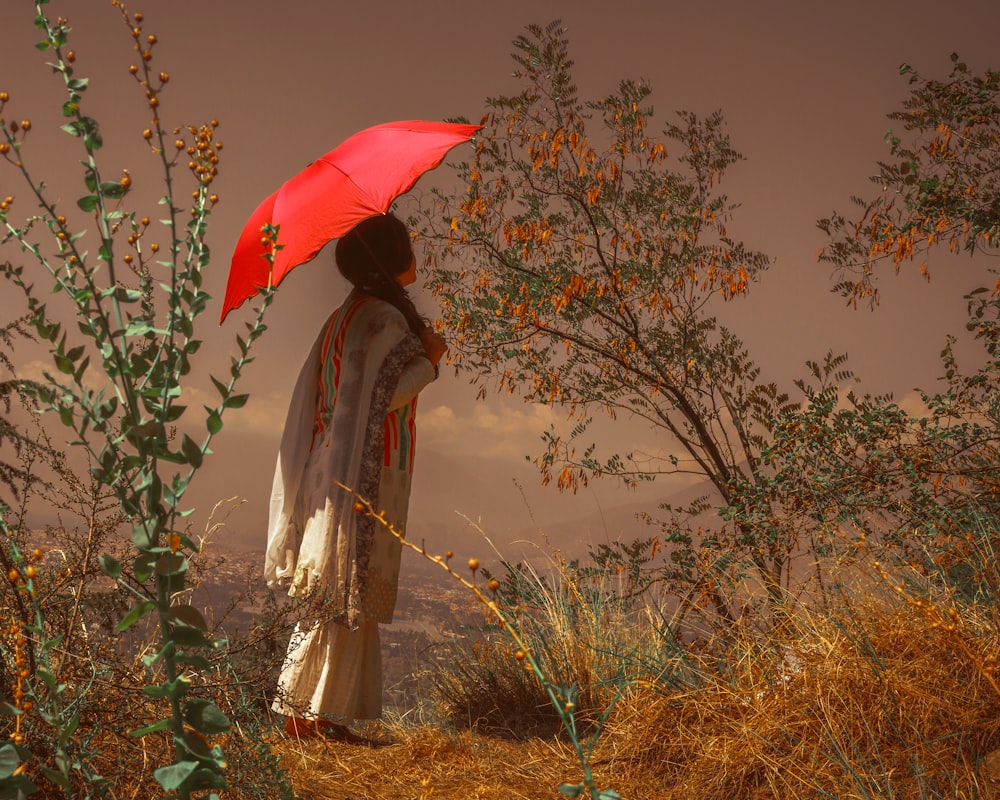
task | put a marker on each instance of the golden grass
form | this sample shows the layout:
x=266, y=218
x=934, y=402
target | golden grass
x=425, y=763
x=877, y=701
x=877, y=707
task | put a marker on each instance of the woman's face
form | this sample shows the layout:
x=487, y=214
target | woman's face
x=408, y=276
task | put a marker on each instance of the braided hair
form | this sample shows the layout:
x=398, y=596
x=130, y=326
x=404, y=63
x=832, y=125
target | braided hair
x=372, y=254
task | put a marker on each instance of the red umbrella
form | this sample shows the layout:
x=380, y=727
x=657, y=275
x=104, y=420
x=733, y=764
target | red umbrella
x=357, y=179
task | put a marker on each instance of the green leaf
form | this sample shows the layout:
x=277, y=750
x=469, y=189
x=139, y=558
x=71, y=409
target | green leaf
x=195, y=660
x=172, y=494
x=570, y=789
x=213, y=422
x=87, y=203
x=192, y=451
x=186, y=637
x=110, y=566
x=57, y=777
x=143, y=567
x=69, y=730
x=7, y=709
x=171, y=564
x=160, y=725
x=93, y=140
x=47, y=677
x=173, y=776
x=133, y=616
x=9, y=760
x=205, y=717
x=176, y=688
x=223, y=389
x=142, y=539
x=206, y=777
x=138, y=327
x=156, y=691
x=112, y=190
x=188, y=615
x=174, y=413
x=236, y=401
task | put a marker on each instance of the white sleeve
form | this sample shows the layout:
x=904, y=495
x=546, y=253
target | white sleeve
x=415, y=376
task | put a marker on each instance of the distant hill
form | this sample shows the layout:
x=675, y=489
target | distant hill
x=571, y=537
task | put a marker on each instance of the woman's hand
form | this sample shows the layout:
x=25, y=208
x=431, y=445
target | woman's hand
x=434, y=345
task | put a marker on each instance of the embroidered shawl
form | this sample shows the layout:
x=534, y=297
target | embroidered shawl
x=316, y=541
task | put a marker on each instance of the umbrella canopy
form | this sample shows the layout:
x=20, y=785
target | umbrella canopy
x=358, y=179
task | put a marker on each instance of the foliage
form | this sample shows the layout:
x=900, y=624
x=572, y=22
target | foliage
x=135, y=305
x=582, y=265
x=929, y=476
x=940, y=186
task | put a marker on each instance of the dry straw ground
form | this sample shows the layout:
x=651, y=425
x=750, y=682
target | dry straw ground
x=872, y=702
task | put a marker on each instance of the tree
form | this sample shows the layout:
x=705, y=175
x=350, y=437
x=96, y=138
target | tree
x=582, y=265
x=940, y=187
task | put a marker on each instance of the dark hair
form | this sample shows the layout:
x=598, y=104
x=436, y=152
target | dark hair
x=372, y=254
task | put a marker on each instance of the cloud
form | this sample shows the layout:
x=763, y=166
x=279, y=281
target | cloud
x=493, y=431
x=263, y=415
x=912, y=403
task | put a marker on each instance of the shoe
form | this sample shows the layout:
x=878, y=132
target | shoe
x=302, y=728
x=342, y=733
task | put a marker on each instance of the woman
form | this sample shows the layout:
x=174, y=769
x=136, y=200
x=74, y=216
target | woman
x=350, y=424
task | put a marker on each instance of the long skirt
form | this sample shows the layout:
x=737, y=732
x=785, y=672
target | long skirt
x=332, y=672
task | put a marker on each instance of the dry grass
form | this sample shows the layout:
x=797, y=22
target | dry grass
x=878, y=707
x=884, y=697
x=427, y=763
x=878, y=701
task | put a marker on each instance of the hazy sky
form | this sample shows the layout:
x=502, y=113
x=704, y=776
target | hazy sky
x=805, y=87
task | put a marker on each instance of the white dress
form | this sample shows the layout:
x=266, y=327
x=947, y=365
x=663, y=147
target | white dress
x=350, y=422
